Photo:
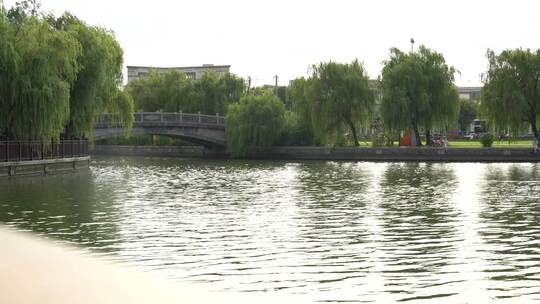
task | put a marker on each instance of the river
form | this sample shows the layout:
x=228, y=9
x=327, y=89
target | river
x=333, y=231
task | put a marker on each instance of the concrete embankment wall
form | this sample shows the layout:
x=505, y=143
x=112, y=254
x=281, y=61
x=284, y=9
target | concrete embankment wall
x=339, y=153
x=157, y=151
x=402, y=154
x=43, y=166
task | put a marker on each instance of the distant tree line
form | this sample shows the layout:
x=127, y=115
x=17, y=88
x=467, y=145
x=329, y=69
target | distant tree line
x=174, y=92
x=56, y=75
x=337, y=103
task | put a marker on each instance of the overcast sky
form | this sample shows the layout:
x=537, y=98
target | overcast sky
x=263, y=38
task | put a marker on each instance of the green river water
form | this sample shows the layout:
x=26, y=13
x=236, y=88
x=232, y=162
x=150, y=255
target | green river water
x=333, y=231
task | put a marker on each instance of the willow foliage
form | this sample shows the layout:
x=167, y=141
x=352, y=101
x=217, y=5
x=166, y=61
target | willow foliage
x=9, y=65
x=298, y=129
x=122, y=104
x=99, y=75
x=418, y=91
x=56, y=74
x=254, y=123
x=511, y=94
x=41, y=69
x=341, y=99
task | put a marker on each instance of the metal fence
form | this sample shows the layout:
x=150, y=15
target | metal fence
x=36, y=150
x=113, y=120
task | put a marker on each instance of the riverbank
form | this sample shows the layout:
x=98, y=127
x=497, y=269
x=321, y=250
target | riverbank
x=338, y=153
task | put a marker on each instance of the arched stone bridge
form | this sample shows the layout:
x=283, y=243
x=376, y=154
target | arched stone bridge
x=207, y=130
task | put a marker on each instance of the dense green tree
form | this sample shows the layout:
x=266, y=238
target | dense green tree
x=174, y=92
x=207, y=90
x=232, y=88
x=254, y=123
x=39, y=64
x=297, y=94
x=341, y=99
x=281, y=93
x=298, y=129
x=56, y=74
x=510, y=97
x=99, y=75
x=8, y=73
x=149, y=93
x=418, y=92
x=468, y=111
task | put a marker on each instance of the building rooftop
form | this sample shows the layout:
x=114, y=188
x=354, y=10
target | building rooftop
x=183, y=67
x=469, y=89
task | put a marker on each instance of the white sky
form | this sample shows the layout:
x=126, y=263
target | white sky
x=263, y=38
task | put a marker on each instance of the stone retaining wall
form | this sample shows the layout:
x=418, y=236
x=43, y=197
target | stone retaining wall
x=339, y=153
x=42, y=167
x=157, y=151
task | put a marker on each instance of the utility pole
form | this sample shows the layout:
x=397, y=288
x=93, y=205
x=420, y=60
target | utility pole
x=249, y=83
x=412, y=45
x=276, y=86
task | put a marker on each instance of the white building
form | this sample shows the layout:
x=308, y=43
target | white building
x=469, y=93
x=194, y=72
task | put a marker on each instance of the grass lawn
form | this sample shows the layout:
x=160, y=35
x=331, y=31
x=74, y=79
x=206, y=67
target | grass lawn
x=496, y=144
x=474, y=144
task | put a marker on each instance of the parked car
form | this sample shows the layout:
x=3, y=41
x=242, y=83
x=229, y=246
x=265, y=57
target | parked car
x=472, y=136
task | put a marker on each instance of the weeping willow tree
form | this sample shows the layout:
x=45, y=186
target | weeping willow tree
x=418, y=92
x=254, y=123
x=98, y=77
x=8, y=72
x=511, y=94
x=341, y=99
x=38, y=66
x=56, y=74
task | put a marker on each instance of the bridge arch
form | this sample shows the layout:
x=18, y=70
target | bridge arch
x=206, y=130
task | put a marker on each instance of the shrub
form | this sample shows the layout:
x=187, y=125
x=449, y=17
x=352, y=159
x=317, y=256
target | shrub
x=487, y=139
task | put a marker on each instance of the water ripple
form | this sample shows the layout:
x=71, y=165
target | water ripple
x=334, y=231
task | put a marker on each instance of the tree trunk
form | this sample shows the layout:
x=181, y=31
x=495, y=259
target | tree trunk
x=534, y=128
x=429, y=142
x=417, y=135
x=353, y=130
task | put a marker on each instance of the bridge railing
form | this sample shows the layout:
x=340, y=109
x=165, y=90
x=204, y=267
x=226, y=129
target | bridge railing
x=25, y=150
x=113, y=120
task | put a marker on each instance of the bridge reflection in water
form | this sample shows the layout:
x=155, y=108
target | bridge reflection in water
x=207, y=130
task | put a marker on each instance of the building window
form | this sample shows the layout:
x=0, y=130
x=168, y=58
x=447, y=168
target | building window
x=190, y=75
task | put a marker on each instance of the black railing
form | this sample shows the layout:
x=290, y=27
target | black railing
x=35, y=150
